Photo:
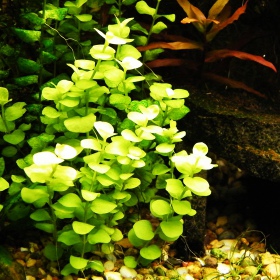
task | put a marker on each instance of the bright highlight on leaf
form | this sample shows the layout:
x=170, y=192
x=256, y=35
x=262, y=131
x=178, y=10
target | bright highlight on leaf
x=104, y=129
x=46, y=158
x=65, y=151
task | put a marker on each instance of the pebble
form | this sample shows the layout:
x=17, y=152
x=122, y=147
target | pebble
x=268, y=258
x=182, y=270
x=272, y=270
x=127, y=272
x=211, y=262
x=208, y=272
x=251, y=270
x=109, y=265
x=111, y=275
x=29, y=277
x=221, y=221
x=227, y=234
x=223, y=268
x=30, y=262
x=187, y=277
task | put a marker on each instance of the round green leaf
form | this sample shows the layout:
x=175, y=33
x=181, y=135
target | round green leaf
x=151, y=252
x=40, y=215
x=175, y=188
x=84, y=17
x=88, y=195
x=49, y=228
x=70, y=200
x=160, y=169
x=117, y=235
x=80, y=124
x=130, y=261
x=99, y=52
x=144, y=230
x=172, y=229
x=166, y=238
x=46, y=158
x=197, y=185
x=82, y=228
x=183, y=207
x=160, y=208
x=9, y=151
x=77, y=262
x=4, y=96
x=134, y=240
x=93, y=144
x=3, y=184
x=165, y=148
x=143, y=8
x=101, y=236
x=69, y=238
x=32, y=195
x=53, y=252
x=65, y=151
x=200, y=149
x=85, y=64
x=15, y=111
x=101, y=206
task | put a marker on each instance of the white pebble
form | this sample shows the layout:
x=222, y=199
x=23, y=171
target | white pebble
x=182, y=270
x=127, y=272
x=223, y=268
x=111, y=275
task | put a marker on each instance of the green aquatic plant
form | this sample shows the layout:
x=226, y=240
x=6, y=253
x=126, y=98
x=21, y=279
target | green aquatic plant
x=100, y=147
x=103, y=152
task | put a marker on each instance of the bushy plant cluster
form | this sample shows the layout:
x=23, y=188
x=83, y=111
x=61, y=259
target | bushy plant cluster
x=102, y=146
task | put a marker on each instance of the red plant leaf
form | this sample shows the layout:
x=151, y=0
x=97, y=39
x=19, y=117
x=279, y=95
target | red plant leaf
x=220, y=54
x=167, y=62
x=191, y=10
x=217, y=28
x=217, y=8
x=232, y=83
x=188, y=20
x=195, y=16
x=172, y=46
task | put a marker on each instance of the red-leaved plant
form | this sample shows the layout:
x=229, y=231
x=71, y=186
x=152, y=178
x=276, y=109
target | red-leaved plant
x=219, y=17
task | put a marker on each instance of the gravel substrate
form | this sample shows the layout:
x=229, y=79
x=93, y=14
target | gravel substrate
x=234, y=248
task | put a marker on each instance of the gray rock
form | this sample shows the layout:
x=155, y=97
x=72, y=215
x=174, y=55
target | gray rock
x=240, y=128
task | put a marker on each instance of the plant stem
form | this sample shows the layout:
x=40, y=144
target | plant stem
x=4, y=118
x=153, y=21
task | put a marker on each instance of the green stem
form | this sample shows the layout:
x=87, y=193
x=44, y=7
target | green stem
x=153, y=21
x=95, y=68
x=40, y=80
x=4, y=118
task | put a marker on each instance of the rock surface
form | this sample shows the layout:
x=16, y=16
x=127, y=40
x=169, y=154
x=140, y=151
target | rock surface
x=239, y=127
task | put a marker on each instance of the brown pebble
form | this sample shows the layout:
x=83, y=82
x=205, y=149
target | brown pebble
x=211, y=262
x=219, y=230
x=20, y=255
x=221, y=221
x=211, y=226
x=22, y=262
x=30, y=262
